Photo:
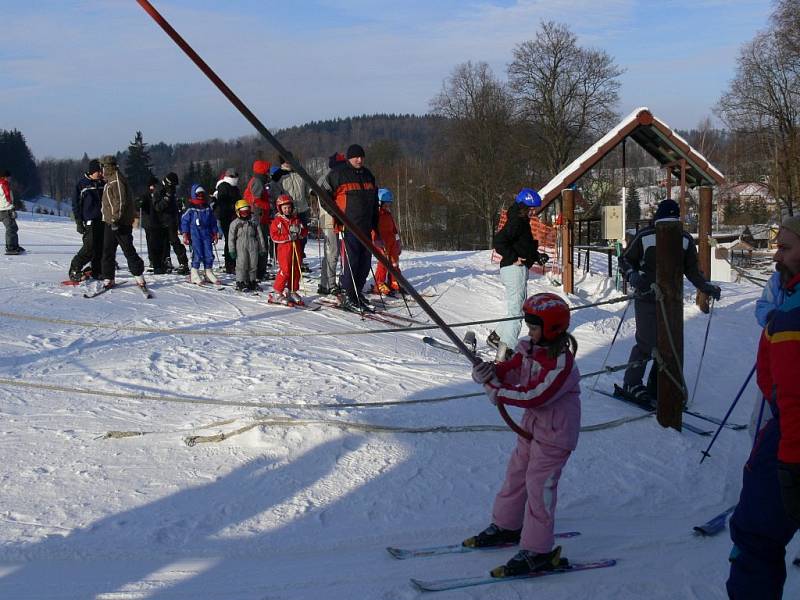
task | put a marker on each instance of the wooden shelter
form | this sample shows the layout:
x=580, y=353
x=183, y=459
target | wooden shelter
x=690, y=168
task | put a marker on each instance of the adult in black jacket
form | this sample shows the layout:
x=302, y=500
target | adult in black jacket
x=86, y=203
x=227, y=195
x=519, y=251
x=154, y=207
x=353, y=188
x=638, y=266
x=172, y=216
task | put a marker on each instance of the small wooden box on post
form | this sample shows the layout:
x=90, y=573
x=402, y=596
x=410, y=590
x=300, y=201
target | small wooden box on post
x=669, y=278
x=567, y=224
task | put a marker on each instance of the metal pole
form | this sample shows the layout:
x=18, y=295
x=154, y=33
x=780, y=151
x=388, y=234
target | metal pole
x=322, y=194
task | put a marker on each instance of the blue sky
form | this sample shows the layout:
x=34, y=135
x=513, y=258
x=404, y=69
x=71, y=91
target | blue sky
x=83, y=76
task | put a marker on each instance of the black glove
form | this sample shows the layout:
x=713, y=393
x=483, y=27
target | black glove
x=712, y=290
x=543, y=258
x=638, y=281
x=80, y=226
x=13, y=214
x=789, y=479
x=114, y=225
x=483, y=372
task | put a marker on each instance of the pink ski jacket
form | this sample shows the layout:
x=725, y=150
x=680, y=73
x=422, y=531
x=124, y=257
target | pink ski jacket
x=547, y=388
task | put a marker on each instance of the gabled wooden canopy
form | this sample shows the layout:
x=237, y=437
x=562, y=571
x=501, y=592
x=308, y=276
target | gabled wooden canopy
x=658, y=140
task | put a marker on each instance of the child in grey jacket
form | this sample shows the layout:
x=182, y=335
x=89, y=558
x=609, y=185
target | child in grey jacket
x=245, y=245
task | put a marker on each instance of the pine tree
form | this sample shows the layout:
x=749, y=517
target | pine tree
x=138, y=165
x=16, y=157
x=207, y=178
x=189, y=178
x=633, y=210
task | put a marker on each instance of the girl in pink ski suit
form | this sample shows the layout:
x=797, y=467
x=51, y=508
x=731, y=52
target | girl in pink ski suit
x=542, y=378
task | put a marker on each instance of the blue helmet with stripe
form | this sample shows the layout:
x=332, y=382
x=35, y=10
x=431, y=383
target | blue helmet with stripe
x=385, y=196
x=528, y=197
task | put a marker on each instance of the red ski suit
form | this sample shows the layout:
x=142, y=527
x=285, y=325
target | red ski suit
x=287, y=249
x=387, y=238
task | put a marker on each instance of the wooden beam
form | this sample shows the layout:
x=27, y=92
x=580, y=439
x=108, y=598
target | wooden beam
x=568, y=225
x=703, y=242
x=669, y=277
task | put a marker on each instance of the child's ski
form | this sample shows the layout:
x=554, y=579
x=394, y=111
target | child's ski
x=313, y=307
x=439, y=585
x=373, y=316
x=101, y=289
x=406, y=553
x=715, y=525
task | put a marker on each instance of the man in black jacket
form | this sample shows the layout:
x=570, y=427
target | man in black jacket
x=172, y=214
x=638, y=266
x=86, y=210
x=154, y=206
x=227, y=195
x=353, y=188
x=519, y=251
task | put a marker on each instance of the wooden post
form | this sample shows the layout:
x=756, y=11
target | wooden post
x=703, y=245
x=568, y=224
x=683, y=189
x=669, y=277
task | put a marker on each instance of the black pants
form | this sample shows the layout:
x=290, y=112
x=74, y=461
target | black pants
x=356, y=264
x=177, y=246
x=157, y=247
x=122, y=237
x=230, y=264
x=91, y=251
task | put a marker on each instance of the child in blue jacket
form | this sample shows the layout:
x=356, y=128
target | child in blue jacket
x=200, y=231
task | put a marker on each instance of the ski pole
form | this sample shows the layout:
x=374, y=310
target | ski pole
x=140, y=230
x=608, y=352
x=299, y=270
x=322, y=194
x=703, y=352
x=728, y=414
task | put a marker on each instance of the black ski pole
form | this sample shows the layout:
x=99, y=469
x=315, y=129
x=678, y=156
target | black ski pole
x=727, y=414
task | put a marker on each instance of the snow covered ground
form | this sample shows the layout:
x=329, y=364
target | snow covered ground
x=293, y=510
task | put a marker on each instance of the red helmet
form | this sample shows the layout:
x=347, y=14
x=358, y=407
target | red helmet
x=283, y=199
x=548, y=311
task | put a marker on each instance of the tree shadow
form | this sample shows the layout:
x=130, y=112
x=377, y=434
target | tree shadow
x=124, y=548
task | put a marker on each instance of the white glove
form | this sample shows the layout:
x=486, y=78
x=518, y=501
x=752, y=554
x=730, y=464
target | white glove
x=294, y=231
x=483, y=372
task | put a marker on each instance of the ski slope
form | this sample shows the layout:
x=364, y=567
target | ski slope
x=297, y=505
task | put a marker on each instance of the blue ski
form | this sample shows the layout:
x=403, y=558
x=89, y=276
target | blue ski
x=439, y=585
x=405, y=553
x=715, y=525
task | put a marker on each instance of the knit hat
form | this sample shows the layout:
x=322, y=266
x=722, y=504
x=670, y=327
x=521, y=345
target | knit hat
x=94, y=166
x=792, y=224
x=261, y=167
x=197, y=189
x=336, y=158
x=354, y=151
x=108, y=159
x=667, y=210
x=231, y=173
x=171, y=178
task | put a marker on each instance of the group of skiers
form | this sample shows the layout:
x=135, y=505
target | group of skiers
x=265, y=223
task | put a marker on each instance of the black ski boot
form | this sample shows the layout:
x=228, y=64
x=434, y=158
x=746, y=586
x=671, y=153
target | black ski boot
x=638, y=394
x=183, y=269
x=493, y=536
x=493, y=341
x=526, y=562
x=241, y=286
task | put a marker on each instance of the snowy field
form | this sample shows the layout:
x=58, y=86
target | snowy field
x=299, y=505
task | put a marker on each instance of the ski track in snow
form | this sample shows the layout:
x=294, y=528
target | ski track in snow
x=306, y=512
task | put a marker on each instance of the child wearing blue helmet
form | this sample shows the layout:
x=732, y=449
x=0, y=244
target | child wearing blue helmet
x=387, y=238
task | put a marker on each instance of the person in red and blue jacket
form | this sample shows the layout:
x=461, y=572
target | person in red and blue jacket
x=768, y=513
x=541, y=377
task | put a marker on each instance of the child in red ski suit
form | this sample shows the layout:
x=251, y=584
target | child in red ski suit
x=387, y=238
x=287, y=231
x=541, y=377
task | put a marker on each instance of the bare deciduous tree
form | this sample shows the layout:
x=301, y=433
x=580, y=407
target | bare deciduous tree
x=763, y=100
x=568, y=94
x=480, y=167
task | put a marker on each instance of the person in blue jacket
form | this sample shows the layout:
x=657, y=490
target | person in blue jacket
x=86, y=204
x=200, y=231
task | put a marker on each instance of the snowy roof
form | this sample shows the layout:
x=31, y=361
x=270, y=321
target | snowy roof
x=657, y=139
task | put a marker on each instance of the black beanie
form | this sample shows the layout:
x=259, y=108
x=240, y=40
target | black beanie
x=94, y=167
x=355, y=150
x=667, y=209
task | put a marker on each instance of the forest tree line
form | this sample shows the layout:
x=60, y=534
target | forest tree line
x=486, y=136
